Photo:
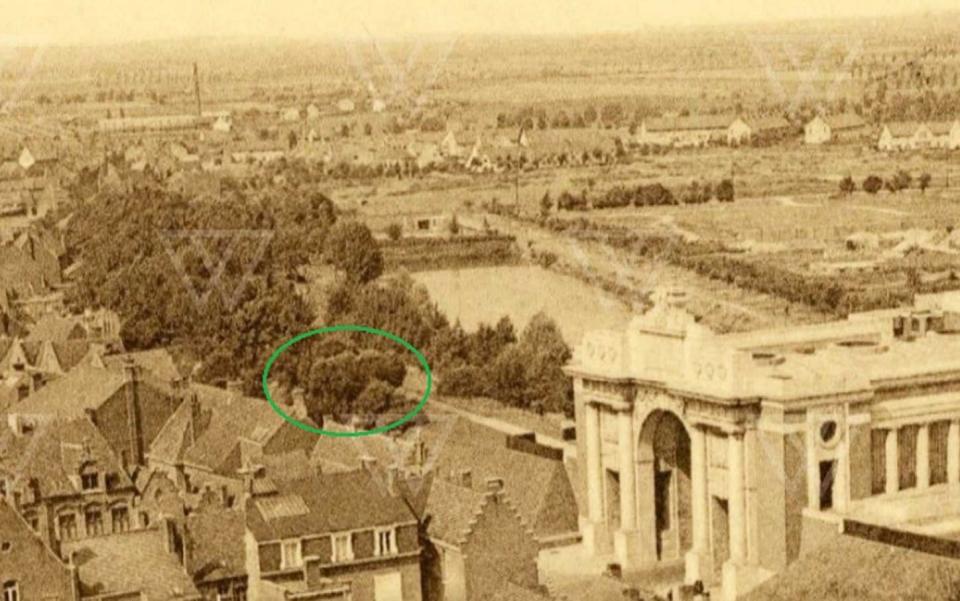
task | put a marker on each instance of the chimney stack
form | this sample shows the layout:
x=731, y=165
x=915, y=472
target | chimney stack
x=495, y=488
x=368, y=463
x=393, y=480
x=465, y=478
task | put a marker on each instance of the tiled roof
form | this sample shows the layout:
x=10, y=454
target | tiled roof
x=766, y=123
x=158, y=362
x=52, y=455
x=335, y=503
x=844, y=121
x=848, y=568
x=903, y=129
x=692, y=122
x=216, y=544
x=128, y=562
x=450, y=510
x=535, y=484
x=941, y=128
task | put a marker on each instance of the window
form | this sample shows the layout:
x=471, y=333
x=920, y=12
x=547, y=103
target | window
x=120, y=519
x=67, y=525
x=144, y=519
x=89, y=481
x=290, y=554
x=342, y=547
x=11, y=591
x=3, y=487
x=385, y=541
x=93, y=519
x=5, y=546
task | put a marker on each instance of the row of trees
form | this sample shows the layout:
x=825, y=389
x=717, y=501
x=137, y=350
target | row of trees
x=643, y=195
x=901, y=180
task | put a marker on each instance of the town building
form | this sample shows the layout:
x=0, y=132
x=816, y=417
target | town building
x=476, y=543
x=29, y=568
x=733, y=452
x=345, y=535
x=681, y=132
x=916, y=135
x=66, y=481
x=833, y=128
x=747, y=130
x=215, y=553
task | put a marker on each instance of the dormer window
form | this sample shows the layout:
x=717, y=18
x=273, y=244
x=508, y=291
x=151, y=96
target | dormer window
x=11, y=591
x=385, y=541
x=290, y=554
x=90, y=481
x=342, y=547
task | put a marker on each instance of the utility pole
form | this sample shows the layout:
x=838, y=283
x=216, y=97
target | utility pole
x=196, y=89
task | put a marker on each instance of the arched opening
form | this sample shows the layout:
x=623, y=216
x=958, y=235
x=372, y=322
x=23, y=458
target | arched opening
x=664, y=455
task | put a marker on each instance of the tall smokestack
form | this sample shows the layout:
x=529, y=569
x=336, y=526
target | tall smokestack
x=196, y=89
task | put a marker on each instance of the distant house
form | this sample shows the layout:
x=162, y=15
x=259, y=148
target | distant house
x=346, y=536
x=29, y=569
x=378, y=105
x=476, y=543
x=313, y=112
x=946, y=134
x=904, y=136
x=449, y=147
x=745, y=130
x=223, y=124
x=691, y=131
x=150, y=124
x=346, y=105
x=824, y=129
x=290, y=114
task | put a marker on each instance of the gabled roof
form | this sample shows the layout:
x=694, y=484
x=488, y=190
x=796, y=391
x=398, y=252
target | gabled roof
x=536, y=484
x=85, y=387
x=941, y=128
x=128, y=562
x=903, y=129
x=325, y=504
x=689, y=123
x=450, y=511
x=51, y=456
x=766, y=123
x=216, y=543
x=844, y=121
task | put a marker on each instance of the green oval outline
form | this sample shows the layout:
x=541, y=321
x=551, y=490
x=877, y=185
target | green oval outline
x=347, y=328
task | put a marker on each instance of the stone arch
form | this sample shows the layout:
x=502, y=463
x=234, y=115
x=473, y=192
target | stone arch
x=663, y=483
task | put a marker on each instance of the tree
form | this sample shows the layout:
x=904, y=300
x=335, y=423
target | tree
x=872, y=184
x=394, y=231
x=546, y=205
x=374, y=399
x=725, y=191
x=847, y=185
x=352, y=249
x=924, y=182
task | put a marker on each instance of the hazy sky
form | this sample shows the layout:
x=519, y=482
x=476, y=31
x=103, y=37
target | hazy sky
x=96, y=21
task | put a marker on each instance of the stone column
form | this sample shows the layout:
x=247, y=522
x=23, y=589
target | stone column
x=892, y=458
x=923, y=456
x=595, y=531
x=953, y=452
x=626, y=542
x=735, y=498
x=697, y=559
x=735, y=570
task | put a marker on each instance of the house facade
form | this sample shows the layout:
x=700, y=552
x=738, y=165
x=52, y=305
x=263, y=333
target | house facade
x=825, y=129
x=735, y=453
x=345, y=535
x=476, y=543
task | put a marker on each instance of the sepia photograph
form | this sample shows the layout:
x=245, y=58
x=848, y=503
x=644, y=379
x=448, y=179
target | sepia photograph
x=528, y=300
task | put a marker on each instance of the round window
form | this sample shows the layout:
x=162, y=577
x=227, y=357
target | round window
x=828, y=431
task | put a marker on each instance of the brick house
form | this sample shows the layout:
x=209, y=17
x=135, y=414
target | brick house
x=66, y=481
x=476, y=543
x=216, y=431
x=128, y=407
x=29, y=569
x=345, y=535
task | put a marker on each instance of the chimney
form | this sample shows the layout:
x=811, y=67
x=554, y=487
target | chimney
x=495, y=488
x=393, y=480
x=133, y=375
x=368, y=463
x=465, y=478
x=298, y=403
